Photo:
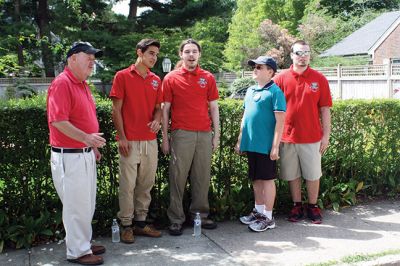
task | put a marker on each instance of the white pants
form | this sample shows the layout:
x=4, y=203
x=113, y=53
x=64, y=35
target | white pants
x=74, y=176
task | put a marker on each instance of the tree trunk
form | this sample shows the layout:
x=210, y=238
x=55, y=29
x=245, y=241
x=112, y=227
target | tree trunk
x=17, y=19
x=42, y=20
x=133, y=6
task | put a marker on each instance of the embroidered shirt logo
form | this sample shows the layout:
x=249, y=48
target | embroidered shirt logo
x=314, y=86
x=155, y=84
x=202, y=82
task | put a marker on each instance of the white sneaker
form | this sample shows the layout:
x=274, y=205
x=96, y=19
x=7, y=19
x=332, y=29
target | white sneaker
x=251, y=218
x=262, y=224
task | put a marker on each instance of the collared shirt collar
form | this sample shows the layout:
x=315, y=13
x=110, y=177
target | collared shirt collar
x=194, y=72
x=304, y=74
x=134, y=69
x=71, y=76
x=266, y=86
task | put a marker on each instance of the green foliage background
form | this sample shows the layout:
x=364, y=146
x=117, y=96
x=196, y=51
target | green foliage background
x=362, y=160
x=169, y=21
x=321, y=23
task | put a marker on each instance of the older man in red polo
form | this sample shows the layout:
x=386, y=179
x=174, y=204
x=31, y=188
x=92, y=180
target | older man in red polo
x=74, y=140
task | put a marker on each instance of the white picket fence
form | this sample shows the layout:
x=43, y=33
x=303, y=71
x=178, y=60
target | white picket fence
x=346, y=82
x=350, y=82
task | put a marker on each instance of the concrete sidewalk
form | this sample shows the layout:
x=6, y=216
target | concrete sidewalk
x=365, y=229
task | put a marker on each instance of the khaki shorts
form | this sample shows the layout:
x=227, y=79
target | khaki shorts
x=300, y=160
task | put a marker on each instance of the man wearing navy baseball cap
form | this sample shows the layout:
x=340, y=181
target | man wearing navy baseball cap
x=85, y=47
x=259, y=138
x=264, y=60
x=74, y=140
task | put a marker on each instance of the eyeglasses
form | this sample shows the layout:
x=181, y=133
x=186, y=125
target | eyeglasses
x=258, y=67
x=302, y=53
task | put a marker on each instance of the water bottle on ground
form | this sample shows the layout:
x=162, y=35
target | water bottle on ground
x=197, y=225
x=115, y=232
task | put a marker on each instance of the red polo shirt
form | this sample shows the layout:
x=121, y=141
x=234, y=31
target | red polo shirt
x=70, y=100
x=189, y=94
x=140, y=96
x=305, y=93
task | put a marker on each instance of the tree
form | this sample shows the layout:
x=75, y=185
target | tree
x=244, y=40
x=33, y=29
x=18, y=37
x=43, y=30
x=133, y=6
x=319, y=31
x=277, y=41
x=348, y=8
x=158, y=6
x=182, y=13
x=322, y=29
x=243, y=33
x=285, y=13
x=211, y=33
x=17, y=19
x=42, y=20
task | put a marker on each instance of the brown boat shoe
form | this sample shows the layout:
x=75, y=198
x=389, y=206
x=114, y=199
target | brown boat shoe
x=148, y=230
x=97, y=249
x=88, y=259
x=127, y=235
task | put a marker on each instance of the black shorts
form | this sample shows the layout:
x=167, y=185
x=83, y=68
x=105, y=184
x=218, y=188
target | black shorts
x=261, y=167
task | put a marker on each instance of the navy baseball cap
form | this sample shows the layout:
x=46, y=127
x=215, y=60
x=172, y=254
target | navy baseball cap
x=85, y=47
x=264, y=60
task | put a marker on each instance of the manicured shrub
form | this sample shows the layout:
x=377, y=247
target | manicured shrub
x=241, y=83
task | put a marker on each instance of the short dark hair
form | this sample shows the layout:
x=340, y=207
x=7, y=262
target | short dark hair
x=144, y=44
x=270, y=68
x=301, y=42
x=189, y=41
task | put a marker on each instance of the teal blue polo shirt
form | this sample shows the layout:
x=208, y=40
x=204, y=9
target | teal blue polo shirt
x=259, y=118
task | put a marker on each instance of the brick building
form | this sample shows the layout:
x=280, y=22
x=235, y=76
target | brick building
x=378, y=39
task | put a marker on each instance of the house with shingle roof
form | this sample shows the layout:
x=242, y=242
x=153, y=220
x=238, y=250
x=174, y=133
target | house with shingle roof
x=378, y=39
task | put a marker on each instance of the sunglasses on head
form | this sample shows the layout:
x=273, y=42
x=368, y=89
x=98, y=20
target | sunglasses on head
x=302, y=53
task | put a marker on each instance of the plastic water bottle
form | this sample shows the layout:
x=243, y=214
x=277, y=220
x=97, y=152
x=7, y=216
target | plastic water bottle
x=115, y=232
x=197, y=225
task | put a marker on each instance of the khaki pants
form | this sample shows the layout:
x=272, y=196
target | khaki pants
x=74, y=176
x=190, y=156
x=136, y=179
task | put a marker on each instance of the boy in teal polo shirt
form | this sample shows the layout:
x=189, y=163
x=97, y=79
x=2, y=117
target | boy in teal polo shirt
x=260, y=135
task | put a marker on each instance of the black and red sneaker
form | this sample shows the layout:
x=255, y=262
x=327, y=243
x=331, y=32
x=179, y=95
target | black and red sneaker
x=314, y=214
x=296, y=213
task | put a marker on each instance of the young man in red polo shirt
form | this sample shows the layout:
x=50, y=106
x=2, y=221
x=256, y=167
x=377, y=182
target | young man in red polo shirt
x=304, y=139
x=190, y=94
x=74, y=139
x=136, y=96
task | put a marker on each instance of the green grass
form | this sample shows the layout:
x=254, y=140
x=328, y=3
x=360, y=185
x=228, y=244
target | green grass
x=357, y=258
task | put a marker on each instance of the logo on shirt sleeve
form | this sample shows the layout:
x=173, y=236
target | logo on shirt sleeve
x=202, y=82
x=314, y=86
x=155, y=84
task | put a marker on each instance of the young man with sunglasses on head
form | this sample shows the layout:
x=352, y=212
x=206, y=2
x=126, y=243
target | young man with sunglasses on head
x=259, y=137
x=136, y=96
x=190, y=95
x=306, y=131
x=74, y=140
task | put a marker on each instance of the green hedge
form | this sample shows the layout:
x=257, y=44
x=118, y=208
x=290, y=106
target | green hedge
x=363, y=158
